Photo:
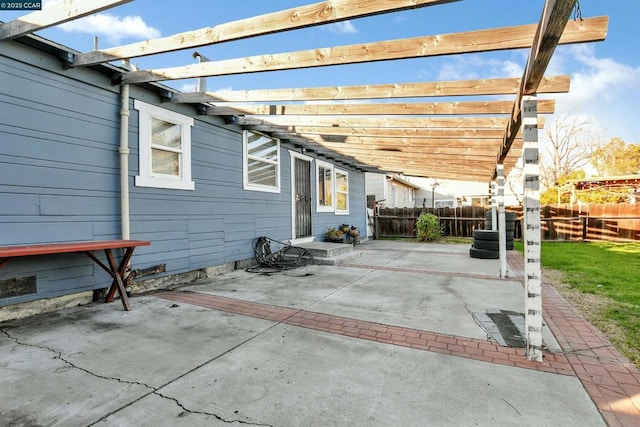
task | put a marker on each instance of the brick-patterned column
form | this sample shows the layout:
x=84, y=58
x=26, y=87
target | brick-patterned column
x=532, y=270
x=502, y=233
x=494, y=204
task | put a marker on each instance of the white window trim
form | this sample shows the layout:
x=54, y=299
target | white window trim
x=145, y=177
x=245, y=165
x=320, y=208
x=335, y=184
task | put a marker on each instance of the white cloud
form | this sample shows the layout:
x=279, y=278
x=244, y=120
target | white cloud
x=222, y=90
x=113, y=28
x=344, y=27
x=602, y=89
x=471, y=66
x=188, y=87
x=600, y=77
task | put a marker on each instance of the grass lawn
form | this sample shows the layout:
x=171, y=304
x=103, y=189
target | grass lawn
x=610, y=272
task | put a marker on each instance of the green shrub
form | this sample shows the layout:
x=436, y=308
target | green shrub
x=428, y=227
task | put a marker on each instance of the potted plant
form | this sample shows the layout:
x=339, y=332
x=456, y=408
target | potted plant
x=333, y=235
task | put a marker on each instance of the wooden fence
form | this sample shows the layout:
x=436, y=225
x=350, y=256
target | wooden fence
x=401, y=222
x=611, y=222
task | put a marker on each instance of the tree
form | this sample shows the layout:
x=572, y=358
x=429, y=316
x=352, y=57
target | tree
x=514, y=182
x=561, y=193
x=616, y=158
x=566, y=149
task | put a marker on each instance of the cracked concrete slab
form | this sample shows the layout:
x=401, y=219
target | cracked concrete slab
x=293, y=377
x=73, y=366
x=176, y=364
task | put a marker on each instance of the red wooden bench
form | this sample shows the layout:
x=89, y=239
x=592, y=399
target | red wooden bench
x=117, y=272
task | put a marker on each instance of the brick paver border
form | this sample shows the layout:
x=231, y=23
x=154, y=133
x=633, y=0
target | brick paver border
x=469, y=348
x=610, y=379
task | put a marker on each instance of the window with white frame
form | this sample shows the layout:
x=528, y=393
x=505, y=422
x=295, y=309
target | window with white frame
x=342, y=192
x=164, y=139
x=261, y=156
x=324, y=186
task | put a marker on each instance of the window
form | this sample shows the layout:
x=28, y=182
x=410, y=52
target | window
x=324, y=188
x=342, y=192
x=164, y=140
x=261, y=162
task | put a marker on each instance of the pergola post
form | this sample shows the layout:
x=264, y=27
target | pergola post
x=494, y=204
x=532, y=270
x=502, y=236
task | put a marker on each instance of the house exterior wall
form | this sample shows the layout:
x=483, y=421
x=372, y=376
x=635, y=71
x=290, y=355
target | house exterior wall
x=402, y=197
x=375, y=183
x=59, y=181
x=383, y=188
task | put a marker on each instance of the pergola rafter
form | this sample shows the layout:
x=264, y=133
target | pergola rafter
x=403, y=109
x=285, y=20
x=504, y=38
x=55, y=13
x=506, y=86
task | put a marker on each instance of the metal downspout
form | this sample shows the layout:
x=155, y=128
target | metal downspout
x=124, y=161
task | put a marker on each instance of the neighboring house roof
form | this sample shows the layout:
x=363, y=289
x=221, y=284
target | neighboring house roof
x=612, y=181
x=396, y=178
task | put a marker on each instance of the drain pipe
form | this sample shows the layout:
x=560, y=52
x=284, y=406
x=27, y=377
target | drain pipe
x=124, y=161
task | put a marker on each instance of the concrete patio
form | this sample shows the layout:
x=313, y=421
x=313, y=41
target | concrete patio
x=390, y=338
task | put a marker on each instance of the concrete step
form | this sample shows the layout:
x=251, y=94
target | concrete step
x=326, y=249
x=327, y=253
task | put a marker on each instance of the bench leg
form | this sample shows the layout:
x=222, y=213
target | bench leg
x=117, y=274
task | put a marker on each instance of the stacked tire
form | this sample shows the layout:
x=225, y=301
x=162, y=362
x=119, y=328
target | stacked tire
x=486, y=243
x=510, y=226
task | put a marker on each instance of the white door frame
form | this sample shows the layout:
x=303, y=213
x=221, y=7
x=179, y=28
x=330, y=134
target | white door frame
x=295, y=155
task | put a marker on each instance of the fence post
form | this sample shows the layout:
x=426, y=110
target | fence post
x=533, y=271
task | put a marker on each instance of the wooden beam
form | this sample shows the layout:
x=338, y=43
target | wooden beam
x=504, y=38
x=379, y=109
x=507, y=86
x=378, y=122
x=433, y=153
x=452, y=175
x=369, y=133
x=404, y=163
x=290, y=19
x=412, y=159
x=54, y=13
x=406, y=142
x=552, y=25
x=430, y=169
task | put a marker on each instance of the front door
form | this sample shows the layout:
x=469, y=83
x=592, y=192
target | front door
x=302, y=198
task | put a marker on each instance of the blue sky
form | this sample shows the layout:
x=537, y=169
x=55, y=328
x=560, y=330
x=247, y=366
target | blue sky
x=605, y=76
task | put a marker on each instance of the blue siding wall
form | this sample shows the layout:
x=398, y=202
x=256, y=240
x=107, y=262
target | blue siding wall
x=59, y=181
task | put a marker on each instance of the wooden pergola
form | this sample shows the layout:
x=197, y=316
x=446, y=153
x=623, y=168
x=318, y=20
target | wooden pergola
x=478, y=140
x=453, y=139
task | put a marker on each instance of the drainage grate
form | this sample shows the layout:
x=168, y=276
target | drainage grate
x=505, y=327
